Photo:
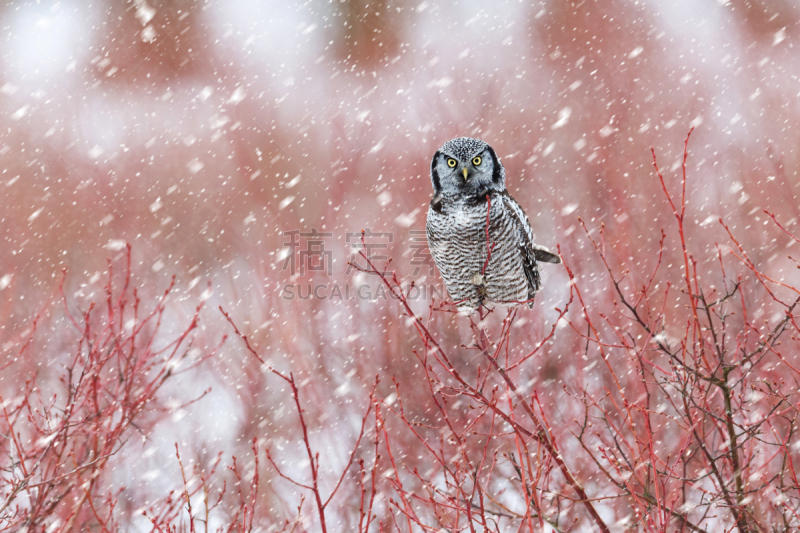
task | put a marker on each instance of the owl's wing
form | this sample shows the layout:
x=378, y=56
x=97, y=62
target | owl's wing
x=530, y=253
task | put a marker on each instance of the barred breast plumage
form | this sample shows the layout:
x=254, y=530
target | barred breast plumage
x=468, y=181
x=457, y=240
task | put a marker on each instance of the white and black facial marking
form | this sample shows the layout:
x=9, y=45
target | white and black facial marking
x=466, y=167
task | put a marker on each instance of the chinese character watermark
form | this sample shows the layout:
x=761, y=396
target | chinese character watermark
x=371, y=242
x=314, y=258
x=420, y=254
x=311, y=254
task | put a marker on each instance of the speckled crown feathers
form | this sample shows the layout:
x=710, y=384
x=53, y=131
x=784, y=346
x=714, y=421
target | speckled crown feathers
x=463, y=148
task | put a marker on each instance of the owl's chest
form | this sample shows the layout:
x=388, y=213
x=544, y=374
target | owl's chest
x=465, y=218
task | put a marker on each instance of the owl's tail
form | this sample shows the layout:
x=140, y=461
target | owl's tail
x=544, y=255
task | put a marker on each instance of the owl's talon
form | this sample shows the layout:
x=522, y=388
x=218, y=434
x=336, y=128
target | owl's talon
x=479, y=280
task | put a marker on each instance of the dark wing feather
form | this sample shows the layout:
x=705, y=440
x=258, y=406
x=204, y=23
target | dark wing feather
x=526, y=247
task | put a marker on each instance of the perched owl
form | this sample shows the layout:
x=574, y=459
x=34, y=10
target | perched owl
x=465, y=172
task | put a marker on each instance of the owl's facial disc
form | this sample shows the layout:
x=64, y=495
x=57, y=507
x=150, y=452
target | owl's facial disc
x=464, y=167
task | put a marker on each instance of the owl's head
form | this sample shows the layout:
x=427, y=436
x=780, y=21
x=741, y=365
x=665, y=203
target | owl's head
x=466, y=166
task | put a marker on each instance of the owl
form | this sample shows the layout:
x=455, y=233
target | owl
x=469, y=197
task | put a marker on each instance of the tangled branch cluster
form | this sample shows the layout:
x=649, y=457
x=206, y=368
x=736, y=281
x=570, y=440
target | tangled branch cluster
x=689, y=424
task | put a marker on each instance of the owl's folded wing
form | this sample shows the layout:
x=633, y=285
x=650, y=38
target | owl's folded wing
x=531, y=254
x=526, y=247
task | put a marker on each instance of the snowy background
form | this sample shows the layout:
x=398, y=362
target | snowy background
x=201, y=132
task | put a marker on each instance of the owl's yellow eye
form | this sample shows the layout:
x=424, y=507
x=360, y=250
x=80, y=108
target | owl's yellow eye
x=451, y=163
x=477, y=161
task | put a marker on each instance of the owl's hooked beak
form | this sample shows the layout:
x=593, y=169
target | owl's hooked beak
x=465, y=170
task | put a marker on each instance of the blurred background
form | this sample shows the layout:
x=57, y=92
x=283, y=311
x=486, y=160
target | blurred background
x=238, y=145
